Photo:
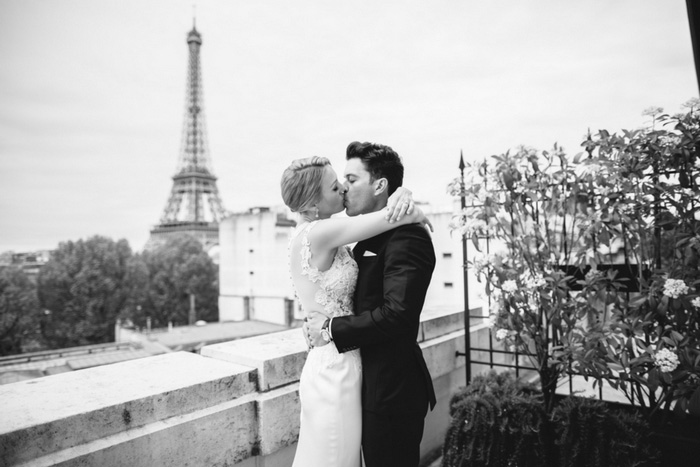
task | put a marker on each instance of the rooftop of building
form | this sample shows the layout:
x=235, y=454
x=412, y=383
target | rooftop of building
x=134, y=345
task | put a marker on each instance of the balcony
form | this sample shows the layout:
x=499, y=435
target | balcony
x=235, y=404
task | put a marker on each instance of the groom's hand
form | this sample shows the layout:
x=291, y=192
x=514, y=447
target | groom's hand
x=312, y=328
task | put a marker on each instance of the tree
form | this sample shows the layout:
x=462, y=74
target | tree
x=6, y=257
x=177, y=269
x=84, y=287
x=19, y=311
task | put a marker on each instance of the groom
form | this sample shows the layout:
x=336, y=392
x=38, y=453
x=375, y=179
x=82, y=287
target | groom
x=394, y=273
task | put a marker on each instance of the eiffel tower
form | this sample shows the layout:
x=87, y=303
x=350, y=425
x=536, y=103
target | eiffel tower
x=194, y=206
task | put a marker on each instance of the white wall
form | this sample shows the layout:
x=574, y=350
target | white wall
x=254, y=242
x=447, y=285
x=253, y=263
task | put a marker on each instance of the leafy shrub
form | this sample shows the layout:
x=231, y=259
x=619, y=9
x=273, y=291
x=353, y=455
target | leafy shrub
x=496, y=421
x=589, y=433
x=566, y=228
x=500, y=421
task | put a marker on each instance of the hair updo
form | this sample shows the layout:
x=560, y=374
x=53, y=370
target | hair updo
x=301, y=182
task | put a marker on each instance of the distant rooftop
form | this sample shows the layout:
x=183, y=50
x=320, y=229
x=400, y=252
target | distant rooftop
x=194, y=337
x=133, y=345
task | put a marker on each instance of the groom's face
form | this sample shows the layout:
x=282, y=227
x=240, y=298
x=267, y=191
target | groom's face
x=361, y=194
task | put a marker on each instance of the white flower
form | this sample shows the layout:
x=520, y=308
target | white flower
x=465, y=223
x=670, y=140
x=454, y=188
x=695, y=241
x=688, y=192
x=594, y=274
x=509, y=286
x=534, y=305
x=481, y=263
x=627, y=209
x=666, y=360
x=588, y=224
x=692, y=104
x=652, y=111
x=674, y=288
x=534, y=282
x=495, y=307
x=477, y=227
x=458, y=225
x=590, y=168
x=696, y=302
x=602, y=191
x=501, y=334
x=492, y=320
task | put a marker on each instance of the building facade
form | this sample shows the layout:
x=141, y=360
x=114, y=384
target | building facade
x=254, y=280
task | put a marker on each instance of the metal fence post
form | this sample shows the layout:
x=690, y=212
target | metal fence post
x=465, y=269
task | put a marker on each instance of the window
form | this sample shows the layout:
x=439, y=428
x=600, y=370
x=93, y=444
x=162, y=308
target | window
x=448, y=285
x=447, y=255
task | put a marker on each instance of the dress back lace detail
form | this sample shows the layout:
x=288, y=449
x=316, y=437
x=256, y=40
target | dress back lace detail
x=335, y=287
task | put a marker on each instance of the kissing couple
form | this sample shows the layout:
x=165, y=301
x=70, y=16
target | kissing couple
x=365, y=388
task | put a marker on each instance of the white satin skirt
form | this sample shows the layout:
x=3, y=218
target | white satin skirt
x=330, y=433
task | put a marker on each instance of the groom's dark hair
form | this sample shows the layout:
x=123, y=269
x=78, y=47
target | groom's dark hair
x=380, y=161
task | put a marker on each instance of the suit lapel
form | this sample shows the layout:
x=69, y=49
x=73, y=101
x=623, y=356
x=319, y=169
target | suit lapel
x=359, y=250
x=369, y=273
x=373, y=244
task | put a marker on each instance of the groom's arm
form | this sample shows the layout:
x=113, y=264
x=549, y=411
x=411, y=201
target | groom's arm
x=408, y=266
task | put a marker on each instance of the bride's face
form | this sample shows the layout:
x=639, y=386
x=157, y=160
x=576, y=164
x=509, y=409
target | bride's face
x=331, y=201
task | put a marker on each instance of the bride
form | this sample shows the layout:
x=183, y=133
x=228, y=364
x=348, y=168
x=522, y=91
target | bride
x=324, y=276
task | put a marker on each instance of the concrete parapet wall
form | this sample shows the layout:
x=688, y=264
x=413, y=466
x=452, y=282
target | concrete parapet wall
x=236, y=404
x=278, y=358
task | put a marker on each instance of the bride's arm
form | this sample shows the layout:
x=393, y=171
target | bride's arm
x=332, y=233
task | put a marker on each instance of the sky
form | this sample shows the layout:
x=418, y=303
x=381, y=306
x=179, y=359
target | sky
x=92, y=94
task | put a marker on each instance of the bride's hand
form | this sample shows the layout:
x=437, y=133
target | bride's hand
x=423, y=219
x=399, y=204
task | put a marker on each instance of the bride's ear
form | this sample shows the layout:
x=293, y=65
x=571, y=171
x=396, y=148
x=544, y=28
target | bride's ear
x=381, y=185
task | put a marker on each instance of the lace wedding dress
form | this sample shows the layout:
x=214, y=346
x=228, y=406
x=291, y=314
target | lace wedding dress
x=330, y=384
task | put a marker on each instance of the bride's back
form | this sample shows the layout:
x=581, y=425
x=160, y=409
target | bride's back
x=323, y=280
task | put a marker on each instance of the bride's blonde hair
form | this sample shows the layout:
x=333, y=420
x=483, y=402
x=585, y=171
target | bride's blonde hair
x=301, y=182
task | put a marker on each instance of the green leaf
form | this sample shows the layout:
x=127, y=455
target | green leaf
x=694, y=403
x=475, y=241
x=676, y=336
x=680, y=407
x=653, y=380
x=638, y=301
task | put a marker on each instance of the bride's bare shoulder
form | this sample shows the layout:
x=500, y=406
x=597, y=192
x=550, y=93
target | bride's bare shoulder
x=318, y=233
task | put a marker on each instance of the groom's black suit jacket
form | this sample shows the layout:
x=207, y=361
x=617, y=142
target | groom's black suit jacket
x=391, y=286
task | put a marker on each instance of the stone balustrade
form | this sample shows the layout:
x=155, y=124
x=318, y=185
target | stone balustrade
x=235, y=404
